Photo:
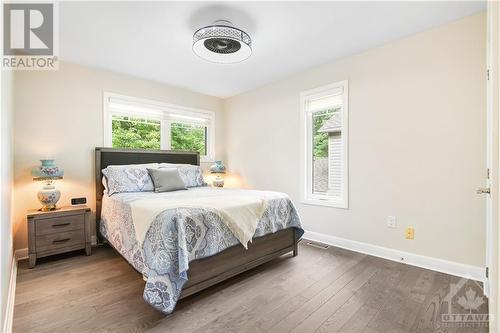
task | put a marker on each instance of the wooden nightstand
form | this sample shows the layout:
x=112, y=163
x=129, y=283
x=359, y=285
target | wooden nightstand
x=62, y=230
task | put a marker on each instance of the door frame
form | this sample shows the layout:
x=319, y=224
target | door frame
x=492, y=143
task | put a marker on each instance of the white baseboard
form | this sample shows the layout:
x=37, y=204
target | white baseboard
x=11, y=295
x=435, y=264
x=21, y=254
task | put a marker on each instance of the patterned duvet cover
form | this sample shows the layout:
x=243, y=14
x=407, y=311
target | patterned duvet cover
x=179, y=236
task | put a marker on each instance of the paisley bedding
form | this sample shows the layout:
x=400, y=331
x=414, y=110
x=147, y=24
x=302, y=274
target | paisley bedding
x=179, y=236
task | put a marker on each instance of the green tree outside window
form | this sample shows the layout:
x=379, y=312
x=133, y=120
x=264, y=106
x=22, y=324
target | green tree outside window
x=135, y=133
x=129, y=132
x=320, y=139
x=188, y=137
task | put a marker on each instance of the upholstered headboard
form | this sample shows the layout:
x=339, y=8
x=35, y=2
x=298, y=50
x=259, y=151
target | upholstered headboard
x=120, y=156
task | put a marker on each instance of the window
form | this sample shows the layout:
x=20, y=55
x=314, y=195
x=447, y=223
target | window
x=131, y=122
x=131, y=132
x=324, y=114
x=191, y=137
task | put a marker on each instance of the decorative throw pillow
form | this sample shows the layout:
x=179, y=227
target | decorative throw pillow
x=166, y=180
x=129, y=178
x=192, y=175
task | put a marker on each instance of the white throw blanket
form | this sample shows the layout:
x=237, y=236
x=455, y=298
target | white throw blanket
x=240, y=213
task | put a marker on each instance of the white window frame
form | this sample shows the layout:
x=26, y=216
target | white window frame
x=166, y=113
x=308, y=197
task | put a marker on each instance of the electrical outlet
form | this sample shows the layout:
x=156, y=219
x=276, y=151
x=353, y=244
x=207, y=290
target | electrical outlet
x=410, y=233
x=391, y=222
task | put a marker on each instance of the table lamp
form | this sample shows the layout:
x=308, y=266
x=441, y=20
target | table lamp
x=48, y=173
x=218, y=168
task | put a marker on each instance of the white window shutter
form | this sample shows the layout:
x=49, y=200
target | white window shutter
x=335, y=164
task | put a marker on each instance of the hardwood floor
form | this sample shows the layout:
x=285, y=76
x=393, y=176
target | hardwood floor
x=319, y=291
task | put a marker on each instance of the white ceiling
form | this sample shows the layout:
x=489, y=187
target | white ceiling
x=153, y=40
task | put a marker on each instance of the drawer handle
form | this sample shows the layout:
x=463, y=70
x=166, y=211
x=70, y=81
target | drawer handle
x=57, y=241
x=60, y=225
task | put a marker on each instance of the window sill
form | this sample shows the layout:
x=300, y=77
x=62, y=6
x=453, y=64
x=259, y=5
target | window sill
x=325, y=203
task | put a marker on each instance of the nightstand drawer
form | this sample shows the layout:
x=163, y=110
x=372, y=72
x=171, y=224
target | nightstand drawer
x=60, y=224
x=62, y=240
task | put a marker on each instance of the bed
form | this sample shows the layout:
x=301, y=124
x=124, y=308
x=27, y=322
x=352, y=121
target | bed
x=186, y=250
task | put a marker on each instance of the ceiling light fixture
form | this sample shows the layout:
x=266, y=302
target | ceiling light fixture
x=222, y=43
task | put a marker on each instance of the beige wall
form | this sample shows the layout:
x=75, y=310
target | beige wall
x=416, y=146
x=6, y=112
x=59, y=114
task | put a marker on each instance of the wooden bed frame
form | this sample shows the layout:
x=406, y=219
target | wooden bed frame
x=209, y=271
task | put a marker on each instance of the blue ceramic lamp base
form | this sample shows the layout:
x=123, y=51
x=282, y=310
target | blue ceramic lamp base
x=218, y=181
x=48, y=197
x=48, y=173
